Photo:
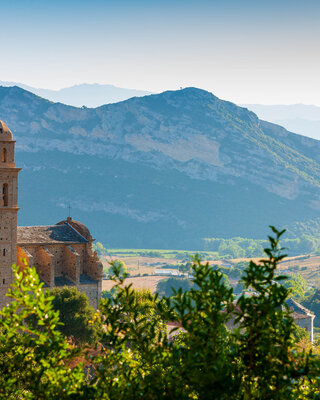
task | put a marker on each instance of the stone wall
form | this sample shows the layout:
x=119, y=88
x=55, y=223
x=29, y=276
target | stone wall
x=94, y=267
x=58, y=252
x=45, y=266
x=72, y=264
x=24, y=256
x=306, y=323
x=8, y=240
x=6, y=278
x=92, y=292
x=81, y=250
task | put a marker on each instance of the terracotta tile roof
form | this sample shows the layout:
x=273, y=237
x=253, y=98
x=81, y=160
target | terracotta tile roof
x=51, y=234
x=298, y=311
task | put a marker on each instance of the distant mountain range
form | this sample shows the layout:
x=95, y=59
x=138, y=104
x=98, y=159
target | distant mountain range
x=298, y=118
x=160, y=171
x=85, y=94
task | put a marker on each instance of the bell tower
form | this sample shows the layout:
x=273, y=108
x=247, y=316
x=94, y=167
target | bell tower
x=8, y=210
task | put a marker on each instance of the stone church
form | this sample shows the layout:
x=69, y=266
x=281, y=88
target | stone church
x=62, y=253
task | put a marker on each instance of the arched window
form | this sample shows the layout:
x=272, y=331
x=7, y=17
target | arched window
x=5, y=195
x=4, y=155
x=4, y=252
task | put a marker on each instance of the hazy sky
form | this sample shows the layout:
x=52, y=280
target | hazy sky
x=241, y=50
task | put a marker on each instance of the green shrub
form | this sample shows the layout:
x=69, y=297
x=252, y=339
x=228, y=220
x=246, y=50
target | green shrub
x=34, y=354
x=167, y=287
x=75, y=314
x=257, y=359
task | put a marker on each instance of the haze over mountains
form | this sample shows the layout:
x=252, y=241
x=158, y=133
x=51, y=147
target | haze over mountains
x=299, y=118
x=85, y=94
x=162, y=170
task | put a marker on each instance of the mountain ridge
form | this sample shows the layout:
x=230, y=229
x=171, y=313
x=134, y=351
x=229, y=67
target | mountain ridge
x=162, y=170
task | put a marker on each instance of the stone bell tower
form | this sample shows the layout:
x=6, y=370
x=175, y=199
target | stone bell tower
x=8, y=210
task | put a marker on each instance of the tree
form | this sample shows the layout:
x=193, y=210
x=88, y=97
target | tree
x=99, y=248
x=312, y=302
x=235, y=273
x=231, y=249
x=166, y=287
x=185, y=268
x=121, y=266
x=239, y=288
x=225, y=280
x=75, y=314
x=297, y=284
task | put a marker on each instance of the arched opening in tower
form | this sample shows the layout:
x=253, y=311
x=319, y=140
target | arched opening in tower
x=4, y=155
x=5, y=195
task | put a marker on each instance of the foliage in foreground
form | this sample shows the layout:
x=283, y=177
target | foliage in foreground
x=34, y=356
x=75, y=315
x=257, y=360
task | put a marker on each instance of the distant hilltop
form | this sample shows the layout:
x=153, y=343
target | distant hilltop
x=85, y=94
x=298, y=118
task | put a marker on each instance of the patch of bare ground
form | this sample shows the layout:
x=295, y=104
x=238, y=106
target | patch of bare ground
x=139, y=282
x=305, y=265
x=141, y=265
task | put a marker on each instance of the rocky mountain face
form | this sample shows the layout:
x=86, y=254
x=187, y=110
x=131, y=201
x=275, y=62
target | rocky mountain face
x=161, y=170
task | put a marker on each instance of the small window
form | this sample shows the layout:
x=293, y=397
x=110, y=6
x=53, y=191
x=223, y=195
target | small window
x=4, y=252
x=4, y=155
x=4, y=281
x=5, y=195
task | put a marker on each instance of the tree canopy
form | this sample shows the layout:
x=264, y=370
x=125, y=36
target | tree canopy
x=257, y=359
x=75, y=314
x=166, y=287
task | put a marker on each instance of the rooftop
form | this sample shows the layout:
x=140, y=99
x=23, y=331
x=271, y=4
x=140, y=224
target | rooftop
x=5, y=133
x=298, y=311
x=50, y=234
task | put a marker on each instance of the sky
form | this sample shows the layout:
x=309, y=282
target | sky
x=244, y=51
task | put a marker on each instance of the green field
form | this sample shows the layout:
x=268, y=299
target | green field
x=156, y=253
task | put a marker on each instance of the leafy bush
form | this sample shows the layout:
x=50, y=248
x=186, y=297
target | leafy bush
x=75, y=314
x=298, y=286
x=166, y=287
x=257, y=359
x=34, y=354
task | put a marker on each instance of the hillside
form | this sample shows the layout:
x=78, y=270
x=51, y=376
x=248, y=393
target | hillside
x=300, y=118
x=161, y=170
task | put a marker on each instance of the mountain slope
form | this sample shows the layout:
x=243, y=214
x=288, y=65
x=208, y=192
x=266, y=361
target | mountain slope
x=299, y=118
x=161, y=170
